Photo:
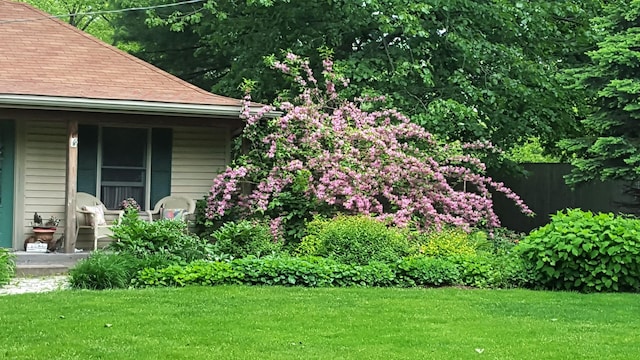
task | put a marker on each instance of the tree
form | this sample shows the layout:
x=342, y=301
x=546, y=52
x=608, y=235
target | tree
x=325, y=156
x=463, y=69
x=609, y=147
x=75, y=13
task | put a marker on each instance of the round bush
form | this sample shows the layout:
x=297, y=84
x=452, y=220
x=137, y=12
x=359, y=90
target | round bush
x=104, y=271
x=355, y=240
x=582, y=251
x=244, y=238
x=165, y=237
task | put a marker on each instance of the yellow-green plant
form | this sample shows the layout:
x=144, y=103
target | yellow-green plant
x=446, y=242
x=355, y=240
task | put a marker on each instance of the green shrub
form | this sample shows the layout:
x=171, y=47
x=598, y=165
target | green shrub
x=271, y=270
x=105, y=270
x=504, y=240
x=312, y=272
x=355, y=240
x=141, y=244
x=449, y=241
x=196, y=273
x=310, y=244
x=166, y=237
x=581, y=251
x=323, y=272
x=245, y=238
x=428, y=271
x=513, y=272
x=7, y=266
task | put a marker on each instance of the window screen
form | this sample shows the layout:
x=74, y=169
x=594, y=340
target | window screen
x=124, y=165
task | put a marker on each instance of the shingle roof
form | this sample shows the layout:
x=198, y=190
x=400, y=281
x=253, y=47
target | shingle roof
x=45, y=56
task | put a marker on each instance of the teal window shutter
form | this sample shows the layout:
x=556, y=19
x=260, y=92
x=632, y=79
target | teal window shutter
x=87, y=158
x=161, y=144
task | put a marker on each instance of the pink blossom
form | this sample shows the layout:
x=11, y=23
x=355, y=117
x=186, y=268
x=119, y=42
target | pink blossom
x=376, y=163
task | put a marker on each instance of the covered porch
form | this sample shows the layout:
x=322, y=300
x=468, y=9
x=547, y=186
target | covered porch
x=61, y=153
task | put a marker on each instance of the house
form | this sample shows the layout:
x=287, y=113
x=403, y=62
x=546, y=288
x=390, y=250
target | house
x=78, y=115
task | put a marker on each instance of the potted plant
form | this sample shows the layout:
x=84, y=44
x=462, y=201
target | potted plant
x=43, y=232
x=51, y=224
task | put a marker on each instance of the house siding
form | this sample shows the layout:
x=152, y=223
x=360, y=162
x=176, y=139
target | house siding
x=199, y=154
x=43, y=174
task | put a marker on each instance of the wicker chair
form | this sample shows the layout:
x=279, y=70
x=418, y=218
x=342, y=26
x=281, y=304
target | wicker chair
x=177, y=204
x=90, y=214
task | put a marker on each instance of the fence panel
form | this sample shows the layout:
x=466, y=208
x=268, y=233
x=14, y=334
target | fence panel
x=545, y=192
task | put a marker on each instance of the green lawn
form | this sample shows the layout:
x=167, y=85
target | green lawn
x=301, y=323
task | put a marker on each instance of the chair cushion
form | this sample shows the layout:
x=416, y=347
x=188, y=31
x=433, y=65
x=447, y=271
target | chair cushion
x=96, y=216
x=173, y=214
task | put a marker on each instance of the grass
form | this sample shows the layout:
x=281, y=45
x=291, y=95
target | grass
x=237, y=322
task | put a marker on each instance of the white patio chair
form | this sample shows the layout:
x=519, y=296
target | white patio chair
x=90, y=214
x=173, y=207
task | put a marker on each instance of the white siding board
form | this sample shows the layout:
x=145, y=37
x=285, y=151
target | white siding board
x=36, y=173
x=199, y=187
x=43, y=165
x=186, y=150
x=191, y=163
x=193, y=176
x=205, y=144
x=44, y=172
x=204, y=134
x=49, y=183
x=199, y=154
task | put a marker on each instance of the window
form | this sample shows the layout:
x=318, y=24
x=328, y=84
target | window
x=124, y=165
x=116, y=163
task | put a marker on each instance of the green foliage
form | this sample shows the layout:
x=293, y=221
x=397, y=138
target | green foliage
x=141, y=244
x=428, y=271
x=448, y=241
x=355, y=240
x=96, y=25
x=312, y=272
x=166, y=237
x=531, y=151
x=104, y=271
x=492, y=69
x=583, y=251
x=109, y=270
x=299, y=209
x=7, y=266
x=244, y=238
x=322, y=272
x=493, y=271
x=504, y=240
x=608, y=147
x=203, y=225
x=195, y=273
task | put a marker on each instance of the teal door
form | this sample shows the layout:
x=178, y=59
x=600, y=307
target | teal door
x=7, y=148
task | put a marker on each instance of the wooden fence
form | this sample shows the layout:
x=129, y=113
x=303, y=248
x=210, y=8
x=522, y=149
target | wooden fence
x=545, y=192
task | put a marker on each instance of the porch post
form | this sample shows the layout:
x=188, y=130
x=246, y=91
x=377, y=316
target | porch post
x=71, y=187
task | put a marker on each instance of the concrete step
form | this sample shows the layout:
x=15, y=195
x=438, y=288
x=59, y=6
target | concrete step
x=41, y=270
x=39, y=264
x=23, y=257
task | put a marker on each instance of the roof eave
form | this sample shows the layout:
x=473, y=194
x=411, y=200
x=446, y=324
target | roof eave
x=39, y=102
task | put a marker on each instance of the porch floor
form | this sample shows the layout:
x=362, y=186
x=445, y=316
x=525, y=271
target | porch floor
x=39, y=264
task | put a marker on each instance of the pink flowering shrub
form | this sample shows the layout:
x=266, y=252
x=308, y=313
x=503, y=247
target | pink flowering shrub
x=325, y=155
